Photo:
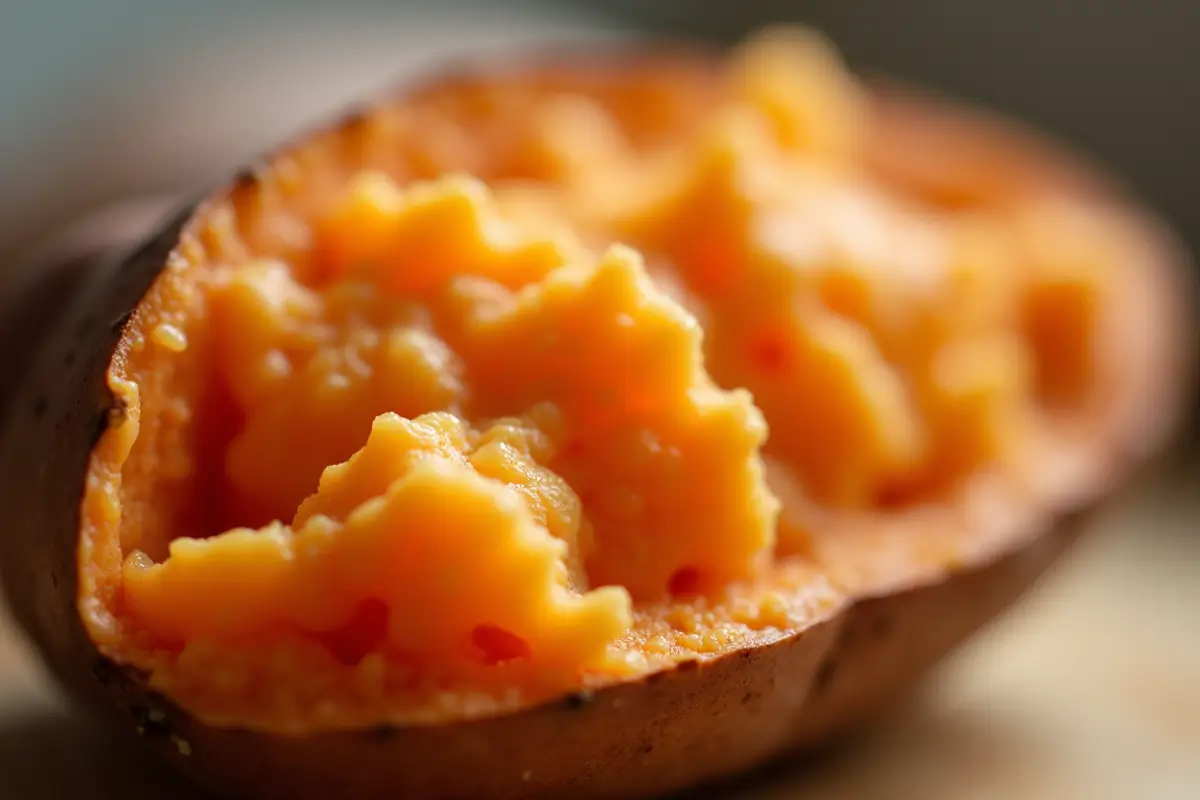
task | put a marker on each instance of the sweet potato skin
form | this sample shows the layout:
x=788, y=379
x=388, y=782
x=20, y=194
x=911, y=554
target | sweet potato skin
x=885, y=645
x=672, y=730
x=697, y=722
x=59, y=408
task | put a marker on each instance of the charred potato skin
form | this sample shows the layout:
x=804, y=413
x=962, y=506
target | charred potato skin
x=668, y=731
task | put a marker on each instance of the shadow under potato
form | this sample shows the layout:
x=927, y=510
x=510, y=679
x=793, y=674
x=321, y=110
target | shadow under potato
x=52, y=753
x=873, y=764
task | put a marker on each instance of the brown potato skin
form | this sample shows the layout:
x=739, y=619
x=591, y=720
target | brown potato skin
x=698, y=722
x=885, y=645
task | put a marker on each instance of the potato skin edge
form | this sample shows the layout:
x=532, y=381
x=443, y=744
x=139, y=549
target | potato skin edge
x=886, y=645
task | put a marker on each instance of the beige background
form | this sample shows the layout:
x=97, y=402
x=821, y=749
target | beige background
x=1089, y=689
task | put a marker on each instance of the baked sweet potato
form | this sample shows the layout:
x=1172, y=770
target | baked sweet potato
x=542, y=539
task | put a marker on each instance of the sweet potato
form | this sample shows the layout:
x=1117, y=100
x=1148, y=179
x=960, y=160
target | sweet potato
x=886, y=588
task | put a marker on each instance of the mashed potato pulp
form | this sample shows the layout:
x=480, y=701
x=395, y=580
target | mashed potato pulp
x=399, y=441
x=603, y=378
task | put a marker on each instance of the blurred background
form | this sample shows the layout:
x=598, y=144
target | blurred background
x=111, y=110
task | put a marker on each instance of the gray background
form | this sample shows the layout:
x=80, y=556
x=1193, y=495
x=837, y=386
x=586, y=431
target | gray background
x=1120, y=77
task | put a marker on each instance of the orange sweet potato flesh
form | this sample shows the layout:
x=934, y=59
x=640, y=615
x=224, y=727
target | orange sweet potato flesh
x=906, y=517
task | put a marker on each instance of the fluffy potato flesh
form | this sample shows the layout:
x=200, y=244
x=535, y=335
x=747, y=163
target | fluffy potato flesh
x=530, y=384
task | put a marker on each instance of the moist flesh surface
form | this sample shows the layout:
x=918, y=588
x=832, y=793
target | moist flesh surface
x=542, y=382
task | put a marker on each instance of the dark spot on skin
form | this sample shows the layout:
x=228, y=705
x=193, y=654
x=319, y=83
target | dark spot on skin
x=580, y=699
x=746, y=655
x=656, y=677
x=383, y=732
x=53, y=580
x=689, y=666
x=646, y=749
x=105, y=672
x=749, y=697
x=39, y=406
x=825, y=675
x=118, y=325
x=151, y=724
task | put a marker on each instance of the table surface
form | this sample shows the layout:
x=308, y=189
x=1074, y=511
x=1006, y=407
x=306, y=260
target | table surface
x=1089, y=689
